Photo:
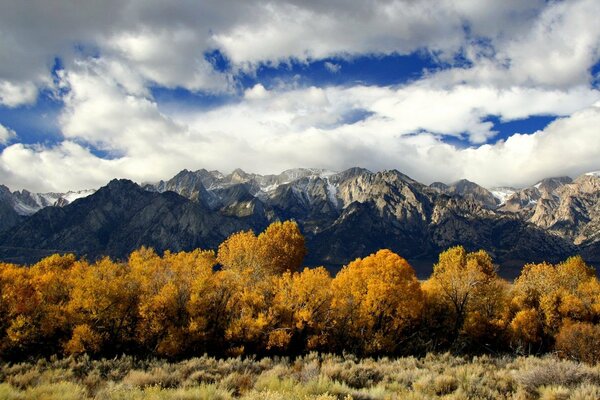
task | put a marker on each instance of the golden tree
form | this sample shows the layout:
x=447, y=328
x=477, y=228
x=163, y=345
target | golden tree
x=300, y=312
x=464, y=287
x=278, y=249
x=376, y=301
x=240, y=252
x=281, y=247
x=34, y=300
x=102, y=308
x=555, y=294
x=165, y=289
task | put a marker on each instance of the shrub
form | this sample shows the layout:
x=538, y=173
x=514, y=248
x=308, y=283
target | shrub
x=579, y=341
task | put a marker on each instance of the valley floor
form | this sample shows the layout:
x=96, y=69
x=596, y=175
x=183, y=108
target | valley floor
x=313, y=376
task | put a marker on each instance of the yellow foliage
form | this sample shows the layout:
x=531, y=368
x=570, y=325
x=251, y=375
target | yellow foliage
x=466, y=285
x=580, y=341
x=165, y=291
x=84, y=340
x=281, y=247
x=300, y=308
x=104, y=297
x=376, y=299
x=568, y=291
x=526, y=328
x=278, y=249
x=259, y=301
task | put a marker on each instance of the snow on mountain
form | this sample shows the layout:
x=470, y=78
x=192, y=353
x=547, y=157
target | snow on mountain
x=594, y=173
x=72, y=196
x=502, y=193
x=27, y=203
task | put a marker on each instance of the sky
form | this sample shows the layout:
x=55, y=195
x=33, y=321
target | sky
x=503, y=93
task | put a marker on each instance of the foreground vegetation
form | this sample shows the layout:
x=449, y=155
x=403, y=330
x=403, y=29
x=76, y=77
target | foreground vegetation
x=324, y=377
x=251, y=297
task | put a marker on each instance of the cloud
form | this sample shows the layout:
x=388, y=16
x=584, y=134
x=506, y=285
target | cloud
x=332, y=67
x=165, y=45
x=16, y=94
x=6, y=134
x=272, y=130
x=510, y=59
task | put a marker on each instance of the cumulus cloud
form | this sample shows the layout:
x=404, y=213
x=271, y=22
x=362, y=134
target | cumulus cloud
x=16, y=94
x=166, y=45
x=6, y=134
x=510, y=59
x=332, y=67
x=273, y=130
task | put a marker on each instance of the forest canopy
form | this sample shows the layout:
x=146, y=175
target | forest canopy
x=252, y=296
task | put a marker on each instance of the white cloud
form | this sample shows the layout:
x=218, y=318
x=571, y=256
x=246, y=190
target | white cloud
x=332, y=67
x=166, y=44
x=16, y=94
x=272, y=130
x=6, y=134
x=526, y=58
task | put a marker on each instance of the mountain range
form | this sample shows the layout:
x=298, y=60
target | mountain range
x=343, y=215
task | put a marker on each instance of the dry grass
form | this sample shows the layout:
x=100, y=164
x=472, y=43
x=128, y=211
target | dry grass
x=323, y=377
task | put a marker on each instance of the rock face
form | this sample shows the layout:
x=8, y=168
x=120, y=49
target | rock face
x=469, y=190
x=117, y=219
x=343, y=216
x=27, y=203
x=8, y=216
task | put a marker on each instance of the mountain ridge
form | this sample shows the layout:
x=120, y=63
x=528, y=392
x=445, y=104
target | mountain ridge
x=343, y=215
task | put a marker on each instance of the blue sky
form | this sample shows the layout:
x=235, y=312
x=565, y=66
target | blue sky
x=440, y=90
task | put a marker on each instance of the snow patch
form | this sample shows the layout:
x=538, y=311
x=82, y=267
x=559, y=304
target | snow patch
x=72, y=196
x=502, y=194
x=332, y=193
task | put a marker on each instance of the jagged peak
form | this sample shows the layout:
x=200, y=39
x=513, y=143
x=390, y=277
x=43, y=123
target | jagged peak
x=397, y=174
x=556, y=180
x=464, y=183
x=120, y=184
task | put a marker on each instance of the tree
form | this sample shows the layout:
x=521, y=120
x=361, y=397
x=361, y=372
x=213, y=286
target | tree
x=103, y=308
x=376, y=301
x=240, y=252
x=557, y=294
x=464, y=287
x=580, y=341
x=300, y=312
x=165, y=289
x=34, y=300
x=278, y=249
x=282, y=247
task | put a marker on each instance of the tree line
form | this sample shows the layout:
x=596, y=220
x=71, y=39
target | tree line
x=253, y=297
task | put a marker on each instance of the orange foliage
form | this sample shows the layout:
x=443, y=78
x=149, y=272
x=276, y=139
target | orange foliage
x=375, y=301
x=176, y=304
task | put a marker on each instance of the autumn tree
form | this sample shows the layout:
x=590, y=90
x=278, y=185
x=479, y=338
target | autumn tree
x=579, y=341
x=465, y=295
x=301, y=311
x=244, y=288
x=278, y=249
x=34, y=299
x=281, y=247
x=376, y=301
x=102, y=308
x=165, y=288
x=546, y=296
x=239, y=252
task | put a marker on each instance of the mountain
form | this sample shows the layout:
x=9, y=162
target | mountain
x=117, y=219
x=27, y=203
x=8, y=216
x=468, y=190
x=343, y=216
